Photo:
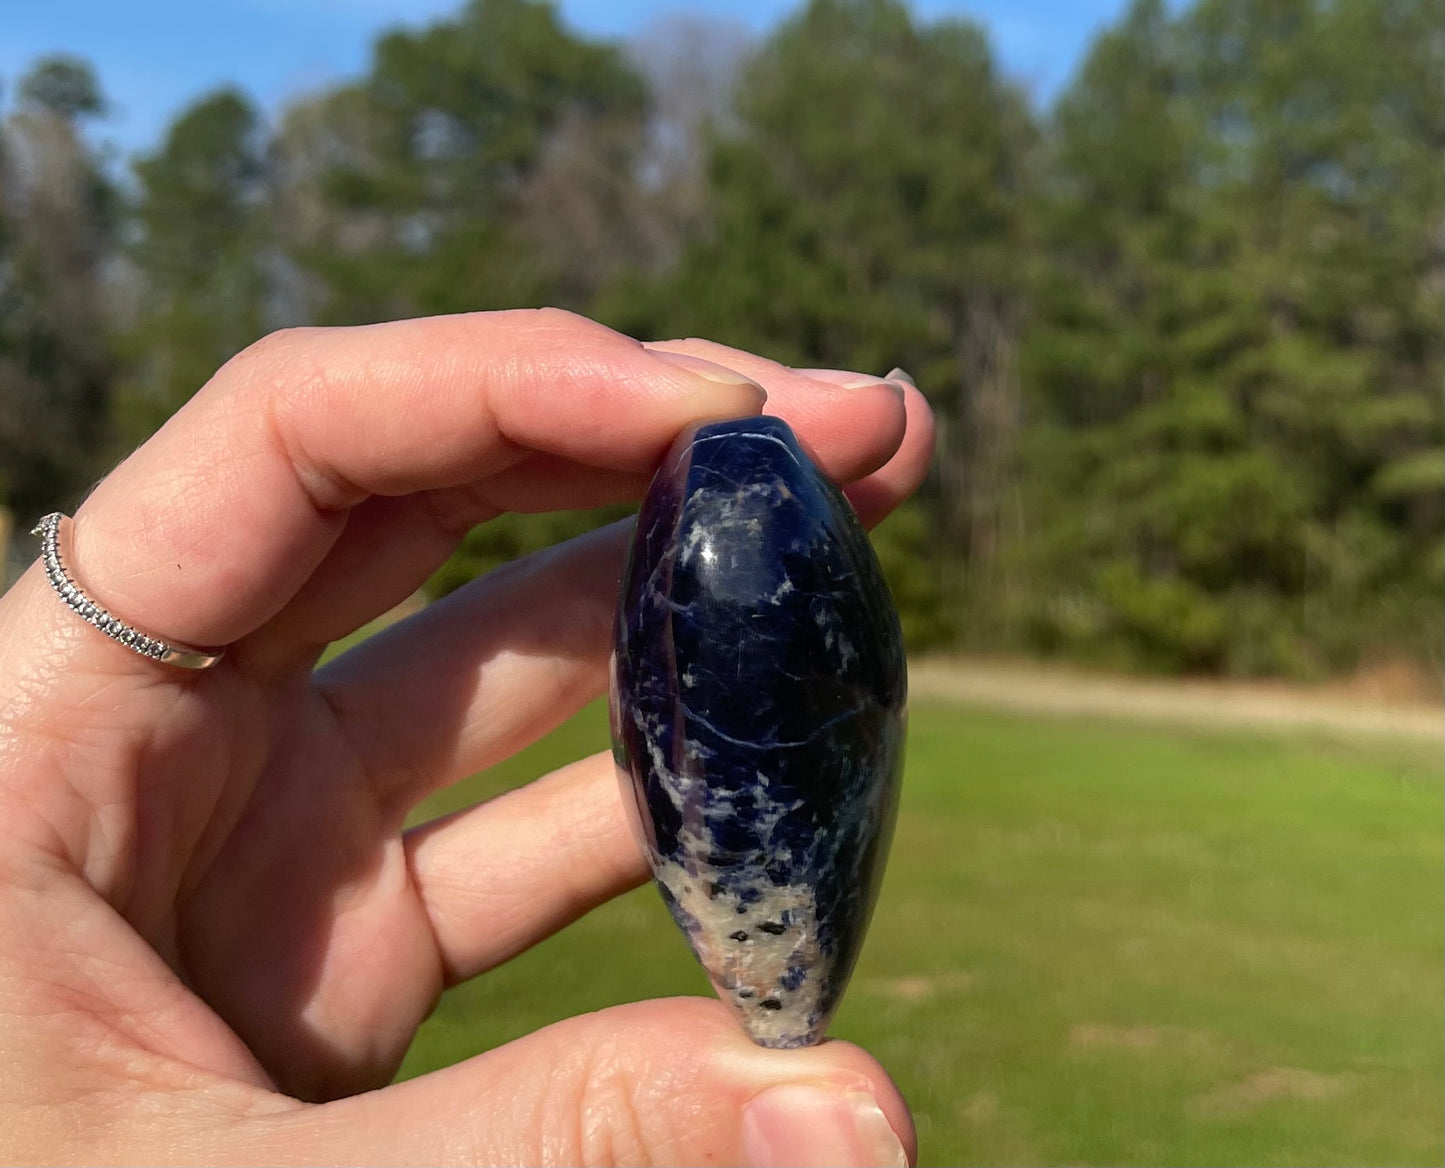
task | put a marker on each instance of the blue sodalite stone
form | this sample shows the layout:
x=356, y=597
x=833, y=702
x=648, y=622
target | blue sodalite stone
x=758, y=693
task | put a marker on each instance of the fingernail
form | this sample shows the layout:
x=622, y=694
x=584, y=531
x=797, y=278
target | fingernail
x=842, y=378
x=896, y=374
x=707, y=370
x=805, y=1125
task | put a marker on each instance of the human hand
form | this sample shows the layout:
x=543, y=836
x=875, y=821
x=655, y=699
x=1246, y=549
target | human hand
x=216, y=941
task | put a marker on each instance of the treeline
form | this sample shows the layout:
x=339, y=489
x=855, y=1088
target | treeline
x=1183, y=331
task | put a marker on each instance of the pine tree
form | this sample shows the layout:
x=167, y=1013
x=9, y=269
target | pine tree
x=58, y=220
x=204, y=257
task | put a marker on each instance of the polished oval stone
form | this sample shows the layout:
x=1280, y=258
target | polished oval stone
x=758, y=691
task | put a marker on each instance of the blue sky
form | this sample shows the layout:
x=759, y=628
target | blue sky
x=154, y=56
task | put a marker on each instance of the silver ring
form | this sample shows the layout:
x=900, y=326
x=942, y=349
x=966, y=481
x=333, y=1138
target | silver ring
x=166, y=652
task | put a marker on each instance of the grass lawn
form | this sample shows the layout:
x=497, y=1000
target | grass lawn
x=1097, y=944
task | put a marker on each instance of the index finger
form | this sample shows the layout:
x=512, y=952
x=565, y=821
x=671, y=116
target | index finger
x=211, y=526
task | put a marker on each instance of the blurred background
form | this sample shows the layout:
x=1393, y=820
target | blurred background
x=1173, y=276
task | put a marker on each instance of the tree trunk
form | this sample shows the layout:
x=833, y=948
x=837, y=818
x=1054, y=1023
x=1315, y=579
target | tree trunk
x=981, y=447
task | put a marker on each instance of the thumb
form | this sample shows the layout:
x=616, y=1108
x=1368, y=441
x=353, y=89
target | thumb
x=662, y=1082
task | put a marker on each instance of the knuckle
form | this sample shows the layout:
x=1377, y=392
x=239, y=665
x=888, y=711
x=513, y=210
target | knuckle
x=611, y=1128
x=558, y=326
x=548, y=317
x=278, y=373
x=272, y=352
x=287, y=379
x=589, y=1108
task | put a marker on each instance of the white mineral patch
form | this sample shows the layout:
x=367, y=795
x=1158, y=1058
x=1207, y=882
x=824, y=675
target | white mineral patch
x=755, y=965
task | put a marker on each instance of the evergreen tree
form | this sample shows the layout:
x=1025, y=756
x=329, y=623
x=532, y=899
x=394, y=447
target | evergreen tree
x=1184, y=338
x=867, y=209
x=57, y=236
x=477, y=165
x=204, y=257
x=1234, y=462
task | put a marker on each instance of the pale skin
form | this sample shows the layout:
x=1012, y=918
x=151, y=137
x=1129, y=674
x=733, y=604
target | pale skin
x=216, y=941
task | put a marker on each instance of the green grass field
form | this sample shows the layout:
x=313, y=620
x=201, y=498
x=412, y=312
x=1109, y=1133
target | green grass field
x=1097, y=944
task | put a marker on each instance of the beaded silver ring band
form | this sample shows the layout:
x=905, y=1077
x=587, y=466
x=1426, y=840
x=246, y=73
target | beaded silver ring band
x=166, y=652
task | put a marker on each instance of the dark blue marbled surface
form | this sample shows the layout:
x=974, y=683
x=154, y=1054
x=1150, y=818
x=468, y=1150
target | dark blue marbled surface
x=758, y=694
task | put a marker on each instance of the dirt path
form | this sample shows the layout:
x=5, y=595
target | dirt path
x=1348, y=709
x=1036, y=689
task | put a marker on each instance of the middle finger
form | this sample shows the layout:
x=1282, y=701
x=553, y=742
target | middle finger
x=481, y=673
x=499, y=663
x=498, y=878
